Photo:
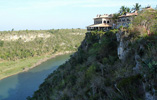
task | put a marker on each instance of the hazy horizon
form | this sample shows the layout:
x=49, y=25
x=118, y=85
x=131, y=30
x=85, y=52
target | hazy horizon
x=60, y=14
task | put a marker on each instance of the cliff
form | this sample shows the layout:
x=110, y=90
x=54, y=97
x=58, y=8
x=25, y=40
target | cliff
x=114, y=65
x=23, y=49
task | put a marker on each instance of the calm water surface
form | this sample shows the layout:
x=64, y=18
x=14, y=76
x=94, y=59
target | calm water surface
x=22, y=85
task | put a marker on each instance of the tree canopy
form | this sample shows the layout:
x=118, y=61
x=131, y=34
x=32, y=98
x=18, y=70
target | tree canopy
x=136, y=7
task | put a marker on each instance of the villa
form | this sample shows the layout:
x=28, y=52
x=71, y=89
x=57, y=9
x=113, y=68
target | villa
x=105, y=22
x=102, y=22
x=126, y=19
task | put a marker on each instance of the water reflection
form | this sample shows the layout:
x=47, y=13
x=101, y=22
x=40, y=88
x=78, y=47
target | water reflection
x=20, y=86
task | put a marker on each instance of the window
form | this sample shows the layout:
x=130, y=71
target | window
x=97, y=22
x=123, y=20
x=108, y=21
x=124, y=24
x=104, y=21
x=128, y=19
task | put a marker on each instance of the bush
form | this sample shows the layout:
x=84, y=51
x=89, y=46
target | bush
x=1, y=43
x=90, y=71
x=59, y=41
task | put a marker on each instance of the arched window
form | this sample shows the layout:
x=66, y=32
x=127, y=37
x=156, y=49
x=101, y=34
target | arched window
x=108, y=21
x=105, y=22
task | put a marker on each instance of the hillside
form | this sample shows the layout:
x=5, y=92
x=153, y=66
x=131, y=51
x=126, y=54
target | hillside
x=114, y=65
x=20, y=50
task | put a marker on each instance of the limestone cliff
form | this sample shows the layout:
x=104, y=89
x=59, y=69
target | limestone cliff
x=113, y=65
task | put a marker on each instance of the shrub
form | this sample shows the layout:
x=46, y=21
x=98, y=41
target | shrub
x=1, y=43
x=90, y=71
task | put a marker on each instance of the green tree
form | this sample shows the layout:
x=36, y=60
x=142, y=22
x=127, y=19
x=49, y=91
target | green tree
x=136, y=7
x=123, y=10
x=128, y=10
x=26, y=30
x=1, y=43
x=146, y=21
x=12, y=29
x=115, y=17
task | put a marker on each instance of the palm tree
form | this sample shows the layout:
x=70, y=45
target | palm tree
x=128, y=10
x=115, y=17
x=122, y=10
x=136, y=7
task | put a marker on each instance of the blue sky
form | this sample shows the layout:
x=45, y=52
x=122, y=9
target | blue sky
x=57, y=14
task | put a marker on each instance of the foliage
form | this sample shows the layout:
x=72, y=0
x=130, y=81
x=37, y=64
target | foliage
x=128, y=10
x=95, y=72
x=58, y=41
x=90, y=71
x=84, y=74
x=151, y=65
x=136, y=7
x=29, y=46
x=115, y=17
x=8, y=68
x=128, y=87
x=146, y=21
x=1, y=43
x=124, y=10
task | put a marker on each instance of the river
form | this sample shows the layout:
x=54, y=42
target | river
x=20, y=86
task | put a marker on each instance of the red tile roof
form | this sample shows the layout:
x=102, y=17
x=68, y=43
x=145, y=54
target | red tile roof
x=129, y=14
x=100, y=25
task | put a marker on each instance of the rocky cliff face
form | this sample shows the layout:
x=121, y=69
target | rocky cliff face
x=115, y=65
x=140, y=57
x=123, y=45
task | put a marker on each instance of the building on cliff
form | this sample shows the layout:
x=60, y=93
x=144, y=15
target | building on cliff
x=105, y=22
x=126, y=19
x=102, y=22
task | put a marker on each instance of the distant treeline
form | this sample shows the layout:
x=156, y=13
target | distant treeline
x=32, y=43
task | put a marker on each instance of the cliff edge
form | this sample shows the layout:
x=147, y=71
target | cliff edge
x=113, y=65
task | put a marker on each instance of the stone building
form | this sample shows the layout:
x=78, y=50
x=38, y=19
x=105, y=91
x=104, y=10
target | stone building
x=105, y=22
x=101, y=22
x=125, y=20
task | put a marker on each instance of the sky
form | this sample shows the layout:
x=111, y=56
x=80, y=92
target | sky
x=58, y=14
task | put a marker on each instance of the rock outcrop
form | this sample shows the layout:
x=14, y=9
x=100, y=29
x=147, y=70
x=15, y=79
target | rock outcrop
x=107, y=66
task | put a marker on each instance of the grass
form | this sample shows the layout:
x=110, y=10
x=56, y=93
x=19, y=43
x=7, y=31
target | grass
x=20, y=50
x=9, y=68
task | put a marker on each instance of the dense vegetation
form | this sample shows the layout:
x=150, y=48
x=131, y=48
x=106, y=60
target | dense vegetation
x=22, y=49
x=123, y=10
x=98, y=72
x=53, y=41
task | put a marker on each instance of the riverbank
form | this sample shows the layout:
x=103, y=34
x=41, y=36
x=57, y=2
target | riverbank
x=24, y=65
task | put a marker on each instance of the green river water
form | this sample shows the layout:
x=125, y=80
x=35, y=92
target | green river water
x=20, y=86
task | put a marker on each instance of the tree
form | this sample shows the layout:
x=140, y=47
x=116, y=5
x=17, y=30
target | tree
x=12, y=29
x=147, y=21
x=128, y=10
x=115, y=17
x=26, y=30
x=123, y=10
x=136, y=7
x=1, y=43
